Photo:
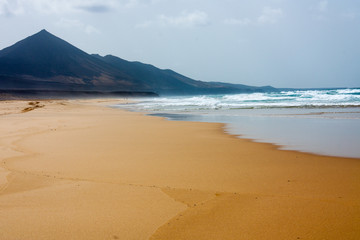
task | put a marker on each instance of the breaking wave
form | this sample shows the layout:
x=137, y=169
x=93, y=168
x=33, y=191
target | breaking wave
x=283, y=99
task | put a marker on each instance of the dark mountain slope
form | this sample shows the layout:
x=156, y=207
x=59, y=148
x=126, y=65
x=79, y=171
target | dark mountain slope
x=161, y=81
x=170, y=82
x=44, y=61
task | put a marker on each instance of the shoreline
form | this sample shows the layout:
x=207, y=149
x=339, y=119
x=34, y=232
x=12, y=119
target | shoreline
x=280, y=130
x=146, y=177
x=280, y=147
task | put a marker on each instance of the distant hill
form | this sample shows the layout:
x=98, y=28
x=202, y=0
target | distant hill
x=46, y=62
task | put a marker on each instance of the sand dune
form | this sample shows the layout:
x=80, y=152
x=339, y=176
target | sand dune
x=79, y=170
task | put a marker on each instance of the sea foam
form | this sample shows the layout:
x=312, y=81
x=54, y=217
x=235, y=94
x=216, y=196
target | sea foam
x=283, y=99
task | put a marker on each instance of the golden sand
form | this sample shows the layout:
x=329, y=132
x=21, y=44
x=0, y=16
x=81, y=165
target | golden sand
x=78, y=170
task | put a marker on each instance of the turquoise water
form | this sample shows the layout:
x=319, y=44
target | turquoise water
x=318, y=121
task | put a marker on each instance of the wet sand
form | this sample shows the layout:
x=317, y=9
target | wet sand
x=79, y=170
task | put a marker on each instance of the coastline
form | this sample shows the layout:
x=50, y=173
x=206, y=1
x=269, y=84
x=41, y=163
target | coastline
x=99, y=173
x=329, y=132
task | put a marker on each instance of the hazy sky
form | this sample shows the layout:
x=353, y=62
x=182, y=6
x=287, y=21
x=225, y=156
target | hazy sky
x=283, y=43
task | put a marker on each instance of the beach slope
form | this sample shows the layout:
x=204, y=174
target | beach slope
x=79, y=170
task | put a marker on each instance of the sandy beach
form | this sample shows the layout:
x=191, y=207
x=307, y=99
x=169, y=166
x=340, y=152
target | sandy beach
x=76, y=169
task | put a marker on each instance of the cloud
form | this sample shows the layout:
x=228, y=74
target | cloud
x=186, y=19
x=89, y=29
x=61, y=7
x=323, y=6
x=74, y=23
x=126, y=4
x=95, y=8
x=349, y=15
x=4, y=8
x=270, y=15
x=240, y=22
x=10, y=8
x=17, y=7
x=320, y=9
x=136, y=3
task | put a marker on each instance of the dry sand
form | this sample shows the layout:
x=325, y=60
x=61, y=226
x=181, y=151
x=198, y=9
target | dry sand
x=77, y=170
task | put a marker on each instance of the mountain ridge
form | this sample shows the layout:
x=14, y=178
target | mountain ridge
x=44, y=61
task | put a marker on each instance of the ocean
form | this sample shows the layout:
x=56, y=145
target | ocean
x=325, y=122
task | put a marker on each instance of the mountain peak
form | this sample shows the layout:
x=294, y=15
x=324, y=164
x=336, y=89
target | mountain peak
x=43, y=32
x=42, y=46
x=43, y=55
x=43, y=35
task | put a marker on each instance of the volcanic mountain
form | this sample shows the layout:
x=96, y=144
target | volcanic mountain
x=46, y=62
